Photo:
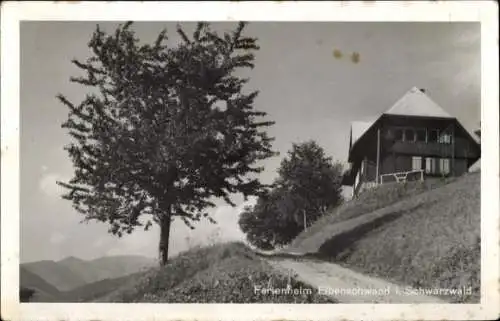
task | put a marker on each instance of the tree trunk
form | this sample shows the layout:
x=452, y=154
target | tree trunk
x=164, y=237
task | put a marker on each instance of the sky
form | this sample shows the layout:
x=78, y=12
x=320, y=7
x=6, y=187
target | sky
x=310, y=92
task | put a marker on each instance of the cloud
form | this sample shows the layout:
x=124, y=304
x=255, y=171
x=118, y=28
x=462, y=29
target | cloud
x=49, y=186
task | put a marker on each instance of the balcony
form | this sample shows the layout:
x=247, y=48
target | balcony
x=462, y=149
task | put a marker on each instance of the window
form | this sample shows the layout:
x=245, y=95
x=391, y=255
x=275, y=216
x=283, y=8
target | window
x=433, y=136
x=429, y=168
x=444, y=165
x=445, y=139
x=421, y=135
x=437, y=166
x=398, y=134
x=431, y=165
x=409, y=135
x=416, y=163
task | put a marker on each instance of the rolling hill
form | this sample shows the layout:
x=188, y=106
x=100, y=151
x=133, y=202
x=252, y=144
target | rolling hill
x=107, y=267
x=118, y=266
x=427, y=238
x=81, y=268
x=72, y=273
x=60, y=276
x=94, y=290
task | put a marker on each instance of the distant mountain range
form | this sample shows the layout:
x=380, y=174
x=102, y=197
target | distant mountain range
x=44, y=291
x=52, y=279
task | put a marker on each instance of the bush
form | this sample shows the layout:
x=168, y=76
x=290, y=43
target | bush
x=26, y=294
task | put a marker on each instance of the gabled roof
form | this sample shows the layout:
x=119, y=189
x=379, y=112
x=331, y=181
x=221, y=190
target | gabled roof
x=416, y=103
x=478, y=132
x=358, y=128
x=413, y=103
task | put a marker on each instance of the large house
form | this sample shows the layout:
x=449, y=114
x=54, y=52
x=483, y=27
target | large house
x=414, y=139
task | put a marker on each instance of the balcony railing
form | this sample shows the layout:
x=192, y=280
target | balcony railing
x=399, y=177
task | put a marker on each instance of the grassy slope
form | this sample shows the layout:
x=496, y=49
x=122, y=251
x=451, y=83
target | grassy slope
x=430, y=239
x=221, y=273
x=435, y=245
x=310, y=240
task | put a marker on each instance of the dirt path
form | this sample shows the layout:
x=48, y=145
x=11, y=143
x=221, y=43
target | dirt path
x=328, y=277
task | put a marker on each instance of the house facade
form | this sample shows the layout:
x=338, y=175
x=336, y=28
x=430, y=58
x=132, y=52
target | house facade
x=414, y=139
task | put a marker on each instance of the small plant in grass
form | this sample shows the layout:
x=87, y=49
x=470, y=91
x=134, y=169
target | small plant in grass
x=26, y=294
x=215, y=236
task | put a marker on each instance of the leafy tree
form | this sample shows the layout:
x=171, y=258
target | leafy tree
x=165, y=129
x=308, y=184
x=313, y=181
x=265, y=224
